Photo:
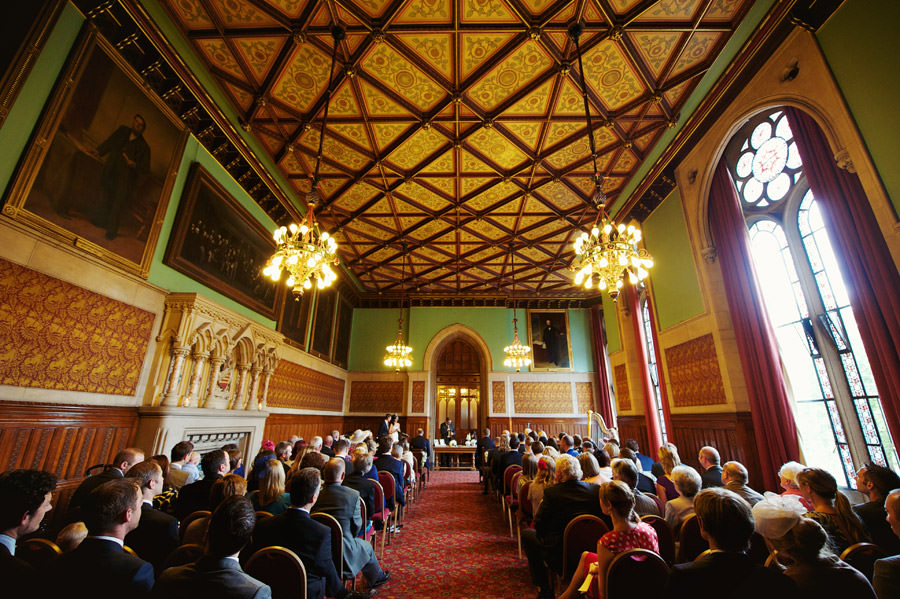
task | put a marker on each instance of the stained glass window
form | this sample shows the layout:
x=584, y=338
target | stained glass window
x=836, y=403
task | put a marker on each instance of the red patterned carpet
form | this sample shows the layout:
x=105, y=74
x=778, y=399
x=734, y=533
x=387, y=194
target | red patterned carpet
x=455, y=545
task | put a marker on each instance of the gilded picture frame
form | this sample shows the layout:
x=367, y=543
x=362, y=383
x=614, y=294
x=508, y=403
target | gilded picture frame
x=550, y=340
x=217, y=242
x=99, y=169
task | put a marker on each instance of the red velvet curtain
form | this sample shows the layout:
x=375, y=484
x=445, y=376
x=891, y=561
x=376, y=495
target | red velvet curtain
x=773, y=419
x=604, y=402
x=654, y=432
x=867, y=267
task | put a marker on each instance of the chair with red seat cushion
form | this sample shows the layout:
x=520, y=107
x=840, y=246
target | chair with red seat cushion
x=633, y=567
x=524, y=516
x=388, y=485
x=582, y=534
x=507, y=479
x=862, y=556
x=281, y=569
x=664, y=536
x=512, y=499
x=380, y=515
x=39, y=553
x=690, y=542
x=337, y=542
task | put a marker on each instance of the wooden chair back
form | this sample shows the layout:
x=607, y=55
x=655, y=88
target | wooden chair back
x=388, y=486
x=525, y=512
x=337, y=538
x=581, y=534
x=183, y=526
x=260, y=515
x=281, y=569
x=636, y=568
x=659, y=506
x=38, y=552
x=507, y=477
x=664, y=537
x=183, y=554
x=690, y=543
x=861, y=556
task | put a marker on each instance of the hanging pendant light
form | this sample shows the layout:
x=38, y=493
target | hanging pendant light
x=517, y=355
x=399, y=355
x=305, y=252
x=610, y=252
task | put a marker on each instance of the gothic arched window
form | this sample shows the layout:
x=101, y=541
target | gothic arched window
x=836, y=404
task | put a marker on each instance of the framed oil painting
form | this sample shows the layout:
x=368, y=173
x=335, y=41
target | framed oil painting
x=100, y=166
x=217, y=242
x=548, y=335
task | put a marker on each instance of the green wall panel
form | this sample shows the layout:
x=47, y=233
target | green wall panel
x=610, y=318
x=374, y=329
x=860, y=43
x=676, y=289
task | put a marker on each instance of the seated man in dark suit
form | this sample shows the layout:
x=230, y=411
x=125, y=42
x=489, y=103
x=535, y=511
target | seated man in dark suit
x=645, y=462
x=124, y=460
x=625, y=470
x=484, y=444
x=726, y=522
x=712, y=472
x=357, y=481
x=195, y=496
x=645, y=483
x=568, y=498
x=388, y=463
x=310, y=540
x=875, y=482
x=421, y=442
x=887, y=571
x=218, y=573
x=100, y=565
x=343, y=503
x=24, y=500
x=157, y=534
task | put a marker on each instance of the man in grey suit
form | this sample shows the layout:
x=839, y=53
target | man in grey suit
x=218, y=573
x=343, y=503
x=887, y=571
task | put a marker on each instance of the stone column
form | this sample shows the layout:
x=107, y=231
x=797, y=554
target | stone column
x=267, y=374
x=237, y=401
x=200, y=360
x=215, y=365
x=178, y=355
x=254, y=386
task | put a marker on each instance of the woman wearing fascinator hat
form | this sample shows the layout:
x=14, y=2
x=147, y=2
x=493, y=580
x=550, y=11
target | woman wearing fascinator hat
x=801, y=545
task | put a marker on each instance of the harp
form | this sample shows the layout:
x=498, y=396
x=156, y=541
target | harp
x=605, y=433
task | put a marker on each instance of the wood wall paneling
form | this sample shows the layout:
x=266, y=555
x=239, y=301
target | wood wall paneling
x=634, y=427
x=64, y=440
x=281, y=427
x=550, y=425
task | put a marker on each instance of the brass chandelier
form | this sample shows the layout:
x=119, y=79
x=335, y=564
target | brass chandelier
x=610, y=253
x=399, y=355
x=517, y=355
x=305, y=252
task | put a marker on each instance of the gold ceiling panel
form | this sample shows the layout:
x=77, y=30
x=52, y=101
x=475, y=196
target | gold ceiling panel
x=304, y=79
x=514, y=72
x=259, y=53
x=656, y=48
x=417, y=147
x=394, y=71
x=459, y=111
x=497, y=148
x=611, y=76
x=241, y=13
x=696, y=52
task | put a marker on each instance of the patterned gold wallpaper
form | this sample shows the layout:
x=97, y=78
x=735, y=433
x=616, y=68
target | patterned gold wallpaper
x=542, y=398
x=498, y=393
x=376, y=396
x=584, y=392
x=418, y=397
x=295, y=386
x=54, y=335
x=694, y=373
x=623, y=398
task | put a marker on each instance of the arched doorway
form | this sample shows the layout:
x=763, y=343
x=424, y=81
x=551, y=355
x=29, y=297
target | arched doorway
x=458, y=393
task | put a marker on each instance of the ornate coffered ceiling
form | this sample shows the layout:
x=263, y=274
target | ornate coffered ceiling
x=456, y=130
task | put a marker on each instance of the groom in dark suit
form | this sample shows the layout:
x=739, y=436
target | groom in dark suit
x=310, y=540
x=218, y=573
x=100, y=563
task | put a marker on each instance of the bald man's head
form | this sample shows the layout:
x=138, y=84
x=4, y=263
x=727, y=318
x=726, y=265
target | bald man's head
x=334, y=470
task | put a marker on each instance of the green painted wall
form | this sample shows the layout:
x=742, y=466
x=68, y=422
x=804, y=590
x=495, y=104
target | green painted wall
x=374, y=329
x=676, y=289
x=861, y=46
x=26, y=112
